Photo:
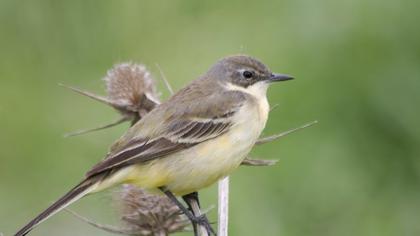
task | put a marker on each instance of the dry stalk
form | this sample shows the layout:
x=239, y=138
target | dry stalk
x=167, y=84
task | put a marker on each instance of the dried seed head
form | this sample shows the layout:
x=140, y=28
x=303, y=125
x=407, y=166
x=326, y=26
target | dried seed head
x=148, y=214
x=131, y=86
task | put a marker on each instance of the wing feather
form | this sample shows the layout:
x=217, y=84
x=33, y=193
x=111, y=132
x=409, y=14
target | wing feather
x=179, y=134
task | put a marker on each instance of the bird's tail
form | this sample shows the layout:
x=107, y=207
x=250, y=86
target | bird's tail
x=82, y=189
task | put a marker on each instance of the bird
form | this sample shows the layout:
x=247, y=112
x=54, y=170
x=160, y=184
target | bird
x=198, y=136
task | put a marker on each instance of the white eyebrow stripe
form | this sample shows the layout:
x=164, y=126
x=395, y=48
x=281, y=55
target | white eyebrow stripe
x=241, y=70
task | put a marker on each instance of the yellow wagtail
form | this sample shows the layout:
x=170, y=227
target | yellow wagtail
x=200, y=135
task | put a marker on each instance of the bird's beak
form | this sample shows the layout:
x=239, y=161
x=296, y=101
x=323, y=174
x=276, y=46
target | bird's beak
x=279, y=77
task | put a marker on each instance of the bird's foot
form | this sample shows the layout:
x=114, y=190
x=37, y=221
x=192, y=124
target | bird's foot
x=202, y=220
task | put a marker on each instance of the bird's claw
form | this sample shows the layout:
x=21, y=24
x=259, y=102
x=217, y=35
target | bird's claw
x=202, y=220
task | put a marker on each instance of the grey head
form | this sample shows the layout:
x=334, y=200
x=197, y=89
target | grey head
x=244, y=71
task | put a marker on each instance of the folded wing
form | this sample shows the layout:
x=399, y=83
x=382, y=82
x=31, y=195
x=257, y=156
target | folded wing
x=183, y=130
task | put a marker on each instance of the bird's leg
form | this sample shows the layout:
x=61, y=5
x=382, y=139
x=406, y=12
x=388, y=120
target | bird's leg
x=202, y=219
x=194, y=204
x=188, y=198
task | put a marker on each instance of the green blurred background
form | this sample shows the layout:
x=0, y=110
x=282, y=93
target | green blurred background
x=357, y=65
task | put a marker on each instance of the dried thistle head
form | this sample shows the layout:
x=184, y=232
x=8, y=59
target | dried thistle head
x=144, y=213
x=132, y=88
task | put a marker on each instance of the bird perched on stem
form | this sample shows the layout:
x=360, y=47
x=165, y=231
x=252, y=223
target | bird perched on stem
x=198, y=136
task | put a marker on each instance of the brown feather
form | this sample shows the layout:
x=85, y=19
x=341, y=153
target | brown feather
x=55, y=207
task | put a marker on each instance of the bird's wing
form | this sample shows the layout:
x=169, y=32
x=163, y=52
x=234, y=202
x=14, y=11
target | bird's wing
x=172, y=127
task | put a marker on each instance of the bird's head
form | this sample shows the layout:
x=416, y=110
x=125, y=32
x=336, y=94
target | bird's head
x=244, y=71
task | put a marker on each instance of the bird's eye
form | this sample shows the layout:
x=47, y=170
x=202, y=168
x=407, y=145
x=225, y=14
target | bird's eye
x=247, y=74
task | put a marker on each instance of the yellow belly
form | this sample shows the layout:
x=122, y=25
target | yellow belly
x=192, y=169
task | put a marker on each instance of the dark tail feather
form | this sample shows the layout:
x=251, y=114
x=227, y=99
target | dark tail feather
x=73, y=195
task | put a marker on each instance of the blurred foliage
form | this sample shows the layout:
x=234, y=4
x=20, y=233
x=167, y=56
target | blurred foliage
x=356, y=62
